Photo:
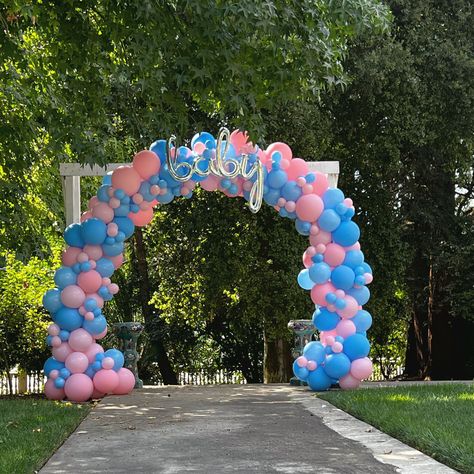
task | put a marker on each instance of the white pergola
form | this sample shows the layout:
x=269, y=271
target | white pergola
x=71, y=174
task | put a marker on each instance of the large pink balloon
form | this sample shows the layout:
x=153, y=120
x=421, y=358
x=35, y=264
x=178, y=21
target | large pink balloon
x=319, y=292
x=345, y=328
x=309, y=207
x=297, y=168
x=351, y=308
x=80, y=340
x=52, y=392
x=73, y=296
x=322, y=237
x=283, y=148
x=321, y=184
x=103, y=212
x=334, y=255
x=146, y=163
x=106, y=381
x=69, y=256
x=78, y=387
x=348, y=382
x=126, y=382
x=127, y=179
x=361, y=368
x=77, y=362
x=92, y=351
x=142, y=217
x=239, y=140
x=62, y=351
x=89, y=281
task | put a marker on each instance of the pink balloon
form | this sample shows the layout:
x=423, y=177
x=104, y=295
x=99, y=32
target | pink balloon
x=54, y=374
x=96, y=394
x=351, y=308
x=334, y=255
x=56, y=341
x=80, y=340
x=89, y=281
x=312, y=365
x=103, y=212
x=325, y=335
x=93, y=201
x=126, y=382
x=78, y=387
x=337, y=347
x=302, y=361
x=72, y=296
x=127, y=179
x=53, y=330
x=106, y=380
x=319, y=292
x=239, y=140
x=361, y=368
x=62, y=352
x=199, y=148
x=142, y=217
x=99, y=300
x=297, y=168
x=283, y=148
x=92, y=351
x=86, y=215
x=69, y=256
x=101, y=335
x=77, y=362
x=309, y=207
x=117, y=260
x=93, y=251
x=307, y=256
x=368, y=278
x=345, y=328
x=356, y=246
x=146, y=163
x=108, y=363
x=348, y=382
x=322, y=237
x=53, y=393
x=321, y=184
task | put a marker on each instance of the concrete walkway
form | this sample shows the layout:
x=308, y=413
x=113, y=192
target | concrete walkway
x=214, y=429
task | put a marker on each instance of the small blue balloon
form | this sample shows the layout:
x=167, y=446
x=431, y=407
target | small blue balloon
x=343, y=277
x=105, y=267
x=107, y=179
x=96, y=326
x=64, y=373
x=100, y=357
x=271, y=196
x=362, y=320
x=304, y=280
x=303, y=227
x=165, y=198
x=64, y=335
x=346, y=234
x=125, y=225
x=300, y=372
x=337, y=365
x=73, y=235
x=117, y=356
x=90, y=304
x=314, y=350
x=90, y=372
x=325, y=320
x=329, y=220
x=356, y=346
x=354, y=258
x=122, y=211
x=52, y=300
x=320, y=273
x=318, y=380
x=94, y=231
x=59, y=382
x=367, y=268
x=103, y=193
x=68, y=318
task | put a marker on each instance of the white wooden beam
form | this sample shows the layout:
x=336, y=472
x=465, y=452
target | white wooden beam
x=72, y=198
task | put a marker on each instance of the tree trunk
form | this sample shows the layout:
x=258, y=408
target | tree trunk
x=277, y=363
x=151, y=320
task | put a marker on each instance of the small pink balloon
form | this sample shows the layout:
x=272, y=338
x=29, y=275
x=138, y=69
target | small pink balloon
x=114, y=203
x=348, y=202
x=146, y=163
x=86, y=215
x=142, y=217
x=368, y=278
x=307, y=189
x=309, y=207
x=103, y=212
x=155, y=190
x=127, y=179
x=284, y=164
x=320, y=248
x=334, y=255
x=319, y=292
x=80, y=340
x=320, y=184
x=106, y=281
x=113, y=288
x=93, y=201
x=340, y=293
x=281, y=202
x=94, y=252
x=101, y=335
x=117, y=260
x=330, y=340
x=89, y=316
x=361, y=368
x=92, y=351
x=112, y=229
x=351, y=308
x=307, y=262
x=69, y=256
x=199, y=148
x=302, y=361
x=89, y=281
x=106, y=380
x=126, y=382
x=247, y=186
x=78, y=387
x=53, y=393
x=314, y=229
x=322, y=237
x=297, y=168
x=345, y=328
x=61, y=353
x=83, y=257
x=337, y=347
x=290, y=206
x=56, y=341
x=54, y=374
x=82, y=310
x=323, y=335
x=73, y=296
x=348, y=382
x=76, y=362
x=312, y=365
x=144, y=205
x=108, y=363
x=301, y=181
x=53, y=330
x=356, y=246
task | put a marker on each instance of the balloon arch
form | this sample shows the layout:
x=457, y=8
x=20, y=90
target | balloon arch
x=335, y=271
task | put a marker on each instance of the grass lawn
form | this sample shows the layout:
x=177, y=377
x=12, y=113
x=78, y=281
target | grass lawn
x=436, y=419
x=32, y=428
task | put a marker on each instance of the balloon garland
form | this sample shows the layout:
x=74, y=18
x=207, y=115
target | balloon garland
x=335, y=271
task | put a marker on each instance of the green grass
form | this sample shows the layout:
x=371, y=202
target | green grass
x=32, y=428
x=436, y=419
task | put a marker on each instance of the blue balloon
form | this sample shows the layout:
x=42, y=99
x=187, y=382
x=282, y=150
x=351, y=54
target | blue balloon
x=318, y=380
x=329, y=220
x=59, y=382
x=90, y=372
x=68, y=319
x=361, y=295
x=107, y=179
x=159, y=148
x=94, y=231
x=343, y=277
x=65, y=276
x=325, y=320
x=271, y=196
x=291, y=191
x=362, y=320
x=112, y=250
x=52, y=364
x=354, y=258
x=356, y=346
x=332, y=197
x=337, y=365
x=122, y=211
x=303, y=227
x=103, y=193
x=367, y=268
x=346, y=234
x=304, y=280
x=125, y=225
x=96, y=326
x=64, y=335
x=52, y=300
x=314, y=350
x=64, y=373
x=73, y=235
x=105, y=267
x=300, y=372
x=203, y=137
x=117, y=356
x=276, y=179
x=320, y=272
x=165, y=198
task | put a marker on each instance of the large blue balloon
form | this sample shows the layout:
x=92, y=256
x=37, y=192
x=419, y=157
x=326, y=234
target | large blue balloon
x=103, y=193
x=332, y=197
x=105, y=267
x=320, y=272
x=353, y=258
x=337, y=365
x=343, y=277
x=117, y=356
x=73, y=235
x=356, y=346
x=304, y=280
x=329, y=220
x=52, y=300
x=65, y=276
x=346, y=234
x=300, y=372
x=112, y=250
x=325, y=320
x=52, y=364
x=276, y=179
x=159, y=148
x=68, y=318
x=314, y=350
x=203, y=137
x=125, y=225
x=361, y=294
x=318, y=380
x=291, y=191
x=94, y=231
x=362, y=320
x=96, y=325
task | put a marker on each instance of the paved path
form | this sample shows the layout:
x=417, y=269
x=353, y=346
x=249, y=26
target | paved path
x=211, y=429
